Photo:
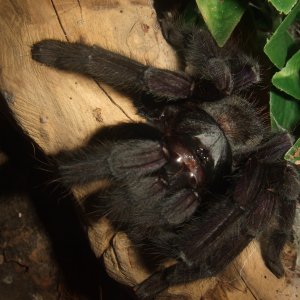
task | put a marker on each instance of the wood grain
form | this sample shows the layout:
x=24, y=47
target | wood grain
x=60, y=111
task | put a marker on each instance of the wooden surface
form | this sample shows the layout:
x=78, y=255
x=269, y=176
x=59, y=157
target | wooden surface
x=60, y=111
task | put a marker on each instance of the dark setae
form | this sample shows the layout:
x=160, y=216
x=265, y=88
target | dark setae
x=204, y=176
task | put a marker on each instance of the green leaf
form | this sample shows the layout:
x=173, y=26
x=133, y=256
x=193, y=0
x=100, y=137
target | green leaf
x=293, y=155
x=221, y=17
x=288, y=79
x=285, y=112
x=281, y=42
x=283, y=6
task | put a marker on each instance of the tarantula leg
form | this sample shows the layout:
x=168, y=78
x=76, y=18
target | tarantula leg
x=117, y=159
x=177, y=205
x=113, y=69
x=141, y=198
x=280, y=182
x=271, y=244
x=202, y=59
x=136, y=157
x=173, y=32
x=182, y=272
x=275, y=236
x=136, y=197
x=221, y=240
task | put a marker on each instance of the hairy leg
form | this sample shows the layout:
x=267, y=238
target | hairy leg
x=279, y=231
x=181, y=272
x=272, y=242
x=228, y=69
x=116, y=159
x=114, y=69
x=279, y=184
x=141, y=202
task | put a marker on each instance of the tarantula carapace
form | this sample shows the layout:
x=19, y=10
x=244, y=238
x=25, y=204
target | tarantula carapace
x=204, y=177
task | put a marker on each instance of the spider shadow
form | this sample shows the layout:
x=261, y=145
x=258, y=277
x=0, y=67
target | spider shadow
x=23, y=170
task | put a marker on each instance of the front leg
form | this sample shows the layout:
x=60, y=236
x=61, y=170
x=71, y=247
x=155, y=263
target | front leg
x=113, y=69
x=141, y=204
x=216, y=260
x=136, y=169
x=116, y=159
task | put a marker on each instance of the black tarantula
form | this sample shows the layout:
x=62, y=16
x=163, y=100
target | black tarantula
x=204, y=177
